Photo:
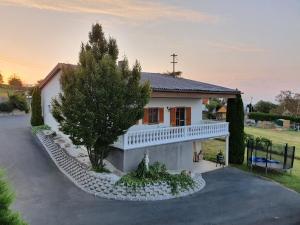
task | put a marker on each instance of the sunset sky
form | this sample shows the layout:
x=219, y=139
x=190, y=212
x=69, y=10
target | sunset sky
x=250, y=45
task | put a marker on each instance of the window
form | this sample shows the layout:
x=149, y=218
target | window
x=153, y=115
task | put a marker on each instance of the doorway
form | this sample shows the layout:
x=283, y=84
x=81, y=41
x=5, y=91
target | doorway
x=180, y=116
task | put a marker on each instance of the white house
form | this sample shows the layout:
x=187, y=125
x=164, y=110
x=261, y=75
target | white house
x=172, y=128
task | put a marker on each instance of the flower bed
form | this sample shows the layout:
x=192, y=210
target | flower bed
x=111, y=186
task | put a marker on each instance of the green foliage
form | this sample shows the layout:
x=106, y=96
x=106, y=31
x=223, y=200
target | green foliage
x=15, y=101
x=141, y=171
x=271, y=117
x=101, y=170
x=1, y=78
x=36, y=108
x=100, y=100
x=235, y=117
x=213, y=105
x=19, y=102
x=7, y=216
x=6, y=107
x=37, y=129
x=157, y=173
x=264, y=106
x=15, y=81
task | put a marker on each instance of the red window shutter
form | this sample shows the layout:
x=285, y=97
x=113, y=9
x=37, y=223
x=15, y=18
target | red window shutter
x=188, y=112
x=146, y=116
x=161, y=115
x=173, y=117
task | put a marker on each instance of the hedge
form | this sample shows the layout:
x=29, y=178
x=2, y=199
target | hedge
x=271, y=117
x=15, y=101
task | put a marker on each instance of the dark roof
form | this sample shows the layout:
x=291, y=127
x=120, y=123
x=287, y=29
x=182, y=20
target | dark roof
x=168, y=83
x=162, y=82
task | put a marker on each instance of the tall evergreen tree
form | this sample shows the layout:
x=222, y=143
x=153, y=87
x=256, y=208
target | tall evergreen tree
x=7, y=216
x=36, y=108
x=100, y=101
x=235, y=117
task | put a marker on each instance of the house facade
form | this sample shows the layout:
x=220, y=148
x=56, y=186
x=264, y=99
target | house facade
x=172, y=128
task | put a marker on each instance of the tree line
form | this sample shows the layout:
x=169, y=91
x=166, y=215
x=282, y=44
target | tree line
x=288, y=104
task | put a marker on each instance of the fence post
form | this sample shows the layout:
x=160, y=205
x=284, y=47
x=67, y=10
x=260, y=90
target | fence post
x=293, y=157
x=285, y=156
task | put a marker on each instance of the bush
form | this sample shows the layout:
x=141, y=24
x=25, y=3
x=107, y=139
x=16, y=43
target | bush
x=6, y=107
x=271, y=117
x=37, y=129
x=7, y=216
x=36, y=108
x=19, y=102
x=157, y=173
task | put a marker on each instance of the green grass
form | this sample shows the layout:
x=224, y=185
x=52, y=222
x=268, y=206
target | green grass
x=211, y=148
x=288, y=179
x=277, y=136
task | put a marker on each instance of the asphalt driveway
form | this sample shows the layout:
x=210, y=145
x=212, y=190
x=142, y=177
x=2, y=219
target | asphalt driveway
x=45, y=196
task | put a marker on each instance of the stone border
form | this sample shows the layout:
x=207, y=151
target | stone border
x=103, y=184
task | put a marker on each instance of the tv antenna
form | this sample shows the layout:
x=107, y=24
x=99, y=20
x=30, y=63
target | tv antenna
x=174, y=62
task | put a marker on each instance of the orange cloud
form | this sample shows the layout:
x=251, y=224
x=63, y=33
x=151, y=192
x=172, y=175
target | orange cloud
x=127, y=9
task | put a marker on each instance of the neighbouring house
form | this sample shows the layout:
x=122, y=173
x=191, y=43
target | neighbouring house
x=172, y=128
x=221, y=113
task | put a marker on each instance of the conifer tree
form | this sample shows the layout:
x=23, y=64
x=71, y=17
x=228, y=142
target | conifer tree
x=100, y=100
x=36, y=108
x=7, y=216
x=235, y=117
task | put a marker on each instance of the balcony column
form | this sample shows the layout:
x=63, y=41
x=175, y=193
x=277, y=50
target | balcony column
x=227, y=151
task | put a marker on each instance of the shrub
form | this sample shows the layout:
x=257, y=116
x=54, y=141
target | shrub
x=36, y=108
x=271, y=117
x=6, y=107
x=235, y=117
x=7, y=216
x=18, y=102
x=157, y=173
x=37, y=129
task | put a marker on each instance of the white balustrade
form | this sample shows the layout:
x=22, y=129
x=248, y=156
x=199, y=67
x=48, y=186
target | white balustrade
x=163, y=135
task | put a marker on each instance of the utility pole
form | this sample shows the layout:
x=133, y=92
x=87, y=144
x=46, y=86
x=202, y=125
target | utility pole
x=173, y=62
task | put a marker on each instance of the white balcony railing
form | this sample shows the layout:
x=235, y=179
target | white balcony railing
x=163, y=135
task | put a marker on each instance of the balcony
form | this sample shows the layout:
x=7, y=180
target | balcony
x=145, y=136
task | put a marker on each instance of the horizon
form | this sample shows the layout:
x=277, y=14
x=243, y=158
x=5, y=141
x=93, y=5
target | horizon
x=252, y=46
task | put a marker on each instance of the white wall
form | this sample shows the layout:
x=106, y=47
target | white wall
x=49, y=91
x=52, y=89
x=195, y=104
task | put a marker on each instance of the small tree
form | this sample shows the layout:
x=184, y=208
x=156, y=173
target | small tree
x=100, y=101
x=36, y=108
x=235, y=117
x=1, y=78
x=7, y=216
x=15, y=81
x=264, y=106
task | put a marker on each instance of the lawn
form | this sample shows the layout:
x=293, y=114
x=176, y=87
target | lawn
x=289, y=179
x=277, y=136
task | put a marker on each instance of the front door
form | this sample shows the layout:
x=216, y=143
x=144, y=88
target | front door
x=180, y=116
